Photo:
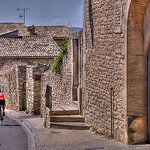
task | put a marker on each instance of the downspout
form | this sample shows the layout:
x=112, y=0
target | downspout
x=112, y=95
x=41, y=111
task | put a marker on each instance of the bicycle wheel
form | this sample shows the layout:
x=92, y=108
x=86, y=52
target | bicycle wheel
x=1, y=115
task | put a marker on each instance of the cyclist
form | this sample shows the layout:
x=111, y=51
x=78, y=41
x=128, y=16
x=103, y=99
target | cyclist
x=2, y=102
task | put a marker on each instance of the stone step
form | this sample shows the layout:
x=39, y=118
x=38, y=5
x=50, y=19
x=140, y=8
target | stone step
x=63, y=111
x=67, y=118
x=69, y=125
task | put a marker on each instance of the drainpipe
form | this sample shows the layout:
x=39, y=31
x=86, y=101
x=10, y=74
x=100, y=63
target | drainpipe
x=112, y=93
x=41, y=111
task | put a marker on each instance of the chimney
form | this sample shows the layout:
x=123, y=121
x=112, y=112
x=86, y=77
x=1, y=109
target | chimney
x=32, y=30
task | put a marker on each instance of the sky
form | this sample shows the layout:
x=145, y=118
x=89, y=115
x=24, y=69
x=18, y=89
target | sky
x=43, y=12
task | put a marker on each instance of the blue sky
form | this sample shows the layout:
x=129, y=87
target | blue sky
x=43, y=12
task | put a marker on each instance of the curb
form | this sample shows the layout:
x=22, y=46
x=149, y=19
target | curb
x=33, y=142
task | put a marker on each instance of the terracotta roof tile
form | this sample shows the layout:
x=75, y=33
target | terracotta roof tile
x=28, y=46
x=54, y=31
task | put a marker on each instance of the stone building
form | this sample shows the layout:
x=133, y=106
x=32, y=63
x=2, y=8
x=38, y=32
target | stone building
x=109, y=78
x=11, y=27
x=66, y=85
x=115, y=92
x=24, y=57
x=22, y=62
x=54, y=31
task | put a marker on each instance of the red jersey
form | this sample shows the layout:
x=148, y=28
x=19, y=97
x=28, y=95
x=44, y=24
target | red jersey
x=2, y=101
x=2, y=96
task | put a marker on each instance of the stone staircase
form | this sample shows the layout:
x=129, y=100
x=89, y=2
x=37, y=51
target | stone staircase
x=67, y=118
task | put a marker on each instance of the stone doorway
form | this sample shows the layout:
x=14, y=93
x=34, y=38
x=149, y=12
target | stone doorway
x=138, y=71
x=24, y=95
x=37, y=94
x=77, y=69
x=75, y=72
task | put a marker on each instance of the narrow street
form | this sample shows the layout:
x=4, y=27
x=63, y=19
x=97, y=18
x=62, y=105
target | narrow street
x=13, y=137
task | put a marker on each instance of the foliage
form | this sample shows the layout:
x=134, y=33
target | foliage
x=56, y=63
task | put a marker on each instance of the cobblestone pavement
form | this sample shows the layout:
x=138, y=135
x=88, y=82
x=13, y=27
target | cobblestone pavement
x=58, y=139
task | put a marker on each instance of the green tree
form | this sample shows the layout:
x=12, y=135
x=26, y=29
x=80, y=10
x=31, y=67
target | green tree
x=56, y=63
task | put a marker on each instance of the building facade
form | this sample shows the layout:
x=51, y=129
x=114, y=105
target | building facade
x=109, y=78
x=24, y=56
x=66, y=85
x=116, y=66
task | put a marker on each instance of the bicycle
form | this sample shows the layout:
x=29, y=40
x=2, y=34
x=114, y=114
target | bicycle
x=1, y=114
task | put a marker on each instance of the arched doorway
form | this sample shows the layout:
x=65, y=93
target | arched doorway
x=137, y=62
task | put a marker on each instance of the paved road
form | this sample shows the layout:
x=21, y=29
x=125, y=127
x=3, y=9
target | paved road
x=59, y=139
x=13, y=136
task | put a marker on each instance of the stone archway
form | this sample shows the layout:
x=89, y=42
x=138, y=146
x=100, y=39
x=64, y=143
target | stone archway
x=137, y=60
x=148, y=95
x=146, y=44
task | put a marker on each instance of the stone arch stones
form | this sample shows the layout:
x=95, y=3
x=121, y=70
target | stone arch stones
x=137, y=59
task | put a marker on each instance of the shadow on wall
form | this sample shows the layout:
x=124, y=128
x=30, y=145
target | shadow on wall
x=91, y=21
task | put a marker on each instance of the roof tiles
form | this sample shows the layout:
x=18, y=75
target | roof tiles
x=28, y=46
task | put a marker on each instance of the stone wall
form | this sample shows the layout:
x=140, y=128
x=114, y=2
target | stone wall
x=137, y=101
x=26, y=61
x=116, y=41
x=6, y=27
x=29, y=88
x=137, y=71
x=37, y=72
x=12, y=85
x=61, y=84
x=54, y=31
x=33, y=88
x=22, y=87
x=11, y=89
x=104, y=73
x=25, y=99
x=77, y=68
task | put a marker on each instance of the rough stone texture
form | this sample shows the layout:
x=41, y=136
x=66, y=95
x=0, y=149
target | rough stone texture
x=17, y=54
x=37, y=72
x=104, y=67
x=22, y=79
x=12, y=85
x=22, y=87
x=9, y=27
x=30, y=89
x=28, y=61
x=137, y=74
x=61, y=84
x=116, y=41
x=11, y=88
x=137, y=60
x=33, y=88
x=54, y=31
x=137, y=130
x=77, y=66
